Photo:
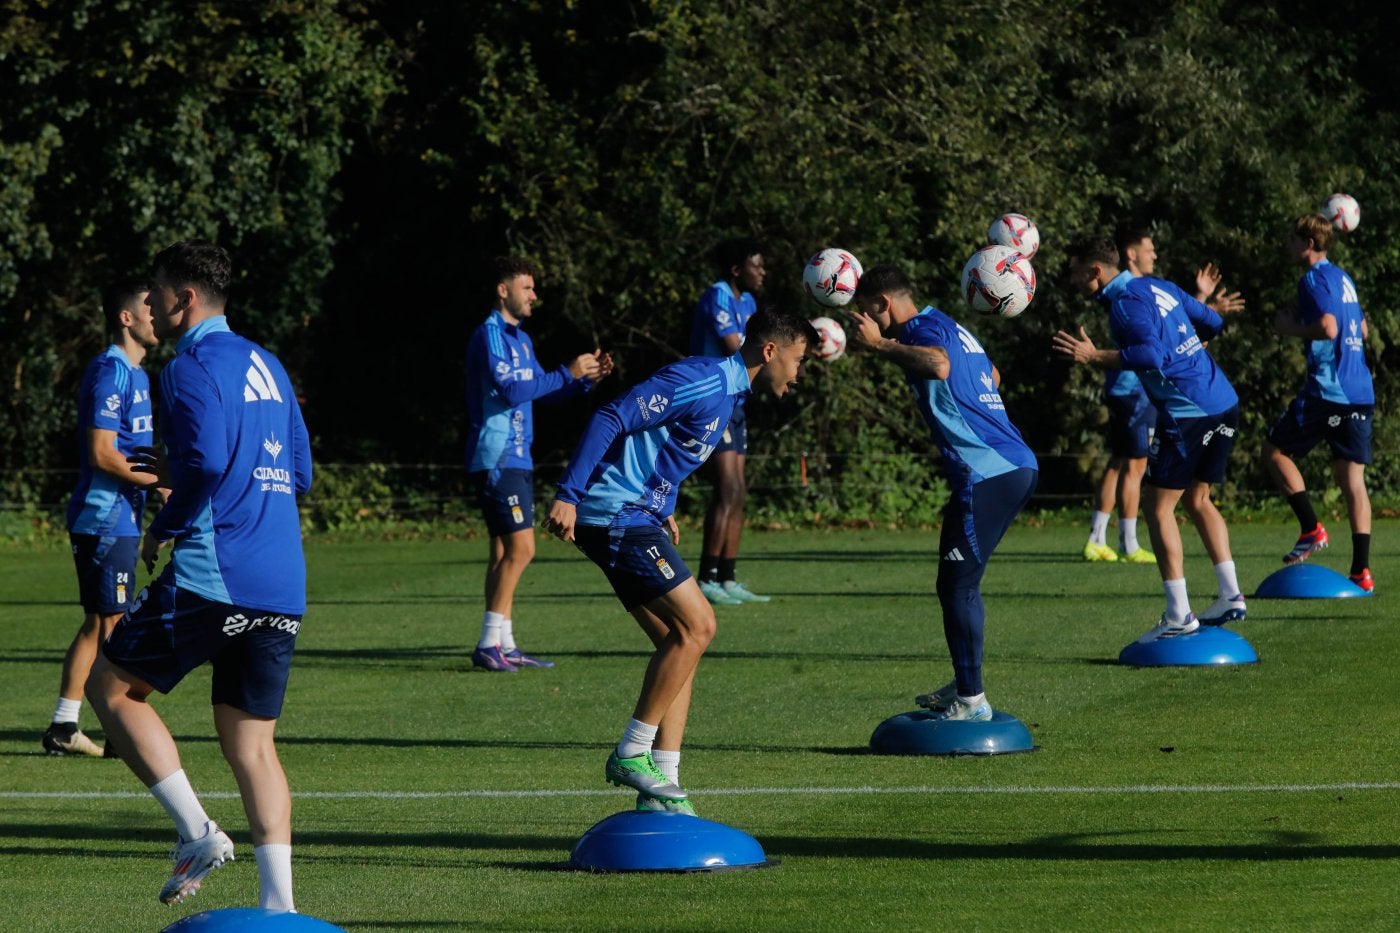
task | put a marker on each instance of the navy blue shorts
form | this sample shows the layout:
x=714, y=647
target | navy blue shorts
x=508, y=503
x=736, y=433
x=106, y=572
x=1192, y=450
x=1131, y=419
x=170, y=632
x=641, y=563
x=1309, y=421
x=976, y=519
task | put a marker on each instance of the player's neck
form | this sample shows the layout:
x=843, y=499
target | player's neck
x=506, y=316
x=133, y=349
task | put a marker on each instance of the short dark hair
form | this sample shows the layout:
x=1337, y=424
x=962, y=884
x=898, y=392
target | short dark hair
x=505, y=268
x=735, y=252
x=771, y=323
x=1094, y=248
x=199, y=263
x=1130, y=236
x=883, y=278
x=115, y=298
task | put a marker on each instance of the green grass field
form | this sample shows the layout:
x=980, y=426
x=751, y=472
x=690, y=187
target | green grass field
x=431, y=797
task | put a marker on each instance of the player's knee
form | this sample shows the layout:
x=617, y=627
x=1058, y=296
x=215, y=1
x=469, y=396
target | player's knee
x=699, y=630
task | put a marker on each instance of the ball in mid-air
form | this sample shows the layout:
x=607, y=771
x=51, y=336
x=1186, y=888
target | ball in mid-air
x=1343, y=211
x=1016, y=231
x=998, y=280
x=830, y=277
x=832, y=343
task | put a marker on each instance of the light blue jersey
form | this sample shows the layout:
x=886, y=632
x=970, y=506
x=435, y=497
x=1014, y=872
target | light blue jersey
x=1158, y=329
x=115, y=396
x=1121, y=383
x=1337, y=370
x=239, y=456
x=964, y=411
x=717, y=315
x=503, y=380
x=638, y=448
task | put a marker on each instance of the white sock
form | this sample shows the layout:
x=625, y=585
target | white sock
x=274, y=877
x=507, y=636
x=1127, y=534
x=490, y=630
x=175, y=794
x=67, y=710
x=669, y=763
x=1178, y=603
x=1098, y=528
x=637, y=739
x=1225, y=578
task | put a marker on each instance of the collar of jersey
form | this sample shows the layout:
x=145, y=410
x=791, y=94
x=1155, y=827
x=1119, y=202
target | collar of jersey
x=201, y=330
x=1115, y=288
x=738, y=374
x=509, y=327
x=119, y=353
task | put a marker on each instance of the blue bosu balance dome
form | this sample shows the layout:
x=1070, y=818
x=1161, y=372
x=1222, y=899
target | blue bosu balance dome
x=249, y=920
x=1308, y=581
x=649, y=840
x=918, y=733
x=1207, y=645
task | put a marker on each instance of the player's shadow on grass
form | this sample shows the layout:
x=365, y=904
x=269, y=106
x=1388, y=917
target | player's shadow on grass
x=1275, y=847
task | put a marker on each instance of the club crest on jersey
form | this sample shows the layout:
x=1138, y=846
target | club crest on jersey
x=113, y=402
x=658, y=403
x=503, y=369
x=722, y=318
x=273, y=446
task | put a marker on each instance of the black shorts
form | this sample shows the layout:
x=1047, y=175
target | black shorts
x=641, y=563
x=170, y=632
x=736, y=433
x=1309, y=421
x=106, y=572
x=1131, y=419
x=1191, y=450
x=507, y=502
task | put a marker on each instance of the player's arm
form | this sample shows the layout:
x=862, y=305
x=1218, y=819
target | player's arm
x=1208, y=324
x=1080, y=349
x=198, y=448
x=301, y=451
x=925, y=362
x=104, y=455
x=1309, y=318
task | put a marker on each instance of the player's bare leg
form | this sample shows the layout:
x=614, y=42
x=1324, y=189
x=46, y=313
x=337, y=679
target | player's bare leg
x=507, y=557
x=1166, y=542
x=63, y=738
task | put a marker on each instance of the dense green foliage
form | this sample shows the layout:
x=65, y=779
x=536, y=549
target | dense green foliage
x=431, y=798
x=618, y=143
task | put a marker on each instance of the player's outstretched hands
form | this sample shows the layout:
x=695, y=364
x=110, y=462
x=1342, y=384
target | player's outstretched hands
x=1207, y=281
x=1226, y=302
x=1076, y=349
x=1210, y=292
x=560, y=520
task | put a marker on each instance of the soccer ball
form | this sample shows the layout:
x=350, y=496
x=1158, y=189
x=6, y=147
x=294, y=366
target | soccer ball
x=998, y=280
x=832, y=344
x=1343, y=211
x=830, y=277
x=1016, y=231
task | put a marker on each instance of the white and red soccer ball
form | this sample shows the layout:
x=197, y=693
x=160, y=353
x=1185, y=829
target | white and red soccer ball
x=832, y=342
x=1343, y=211
x=998, y=280
x=1016, y=231
x=830, y=277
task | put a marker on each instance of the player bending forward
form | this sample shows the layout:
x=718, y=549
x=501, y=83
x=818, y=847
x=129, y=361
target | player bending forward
x=991, y=471
x=615, y=502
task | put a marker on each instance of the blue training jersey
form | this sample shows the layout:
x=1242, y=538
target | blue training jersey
x=1121, y=383
x=1337, y=370
x=239, y=456
x=717, y=315
x=638, y=449
x=115, y=396
x=503, y=379
x=964, y=411
x=1158, y=329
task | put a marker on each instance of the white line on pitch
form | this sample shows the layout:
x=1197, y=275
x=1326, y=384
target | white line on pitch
x=749, y=791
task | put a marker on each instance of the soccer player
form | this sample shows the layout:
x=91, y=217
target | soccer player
x=1337, y=402
x=615, y=502
x=1131, y=417
x=105, y=512
x=503, y=381
x=721, y=317
x=1158, y=330
x=991, y=471
x=234, y=590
